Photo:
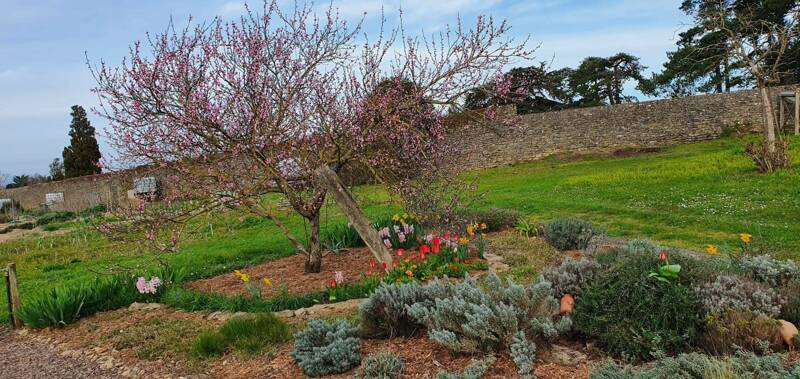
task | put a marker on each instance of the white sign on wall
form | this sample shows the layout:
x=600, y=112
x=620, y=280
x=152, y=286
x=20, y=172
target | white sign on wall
x=54, y=198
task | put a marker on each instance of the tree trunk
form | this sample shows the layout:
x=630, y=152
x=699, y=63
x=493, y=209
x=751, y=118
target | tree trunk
x=314, y=251
x=344, y=199
x=769, y=115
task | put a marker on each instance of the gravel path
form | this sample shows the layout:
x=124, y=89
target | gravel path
x=24, y=357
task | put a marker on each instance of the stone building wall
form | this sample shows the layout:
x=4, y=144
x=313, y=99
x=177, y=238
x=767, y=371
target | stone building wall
x=635, y=125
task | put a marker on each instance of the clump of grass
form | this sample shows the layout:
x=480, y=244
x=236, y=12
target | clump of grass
x=157, y=339
x=525, y=256
x=246, y=334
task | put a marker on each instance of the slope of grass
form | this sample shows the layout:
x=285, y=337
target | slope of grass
x=688, y=195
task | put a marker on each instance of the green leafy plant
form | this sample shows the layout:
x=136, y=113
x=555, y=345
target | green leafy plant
x=325, y=348
x=341, y=236
x=569, y=234
x=526, y=227
x=666, y=272
x=632, y=315
x=248, y=334
x=383, y=365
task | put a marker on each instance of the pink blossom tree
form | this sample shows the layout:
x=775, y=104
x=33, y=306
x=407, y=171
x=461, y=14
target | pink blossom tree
x=234, y=110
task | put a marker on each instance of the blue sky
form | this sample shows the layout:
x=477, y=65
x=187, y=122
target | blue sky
x=42, y=45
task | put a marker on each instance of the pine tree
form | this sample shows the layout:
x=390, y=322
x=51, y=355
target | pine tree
x=82, y=155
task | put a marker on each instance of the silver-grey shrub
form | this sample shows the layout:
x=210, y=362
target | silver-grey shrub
x=384, y=314
x=325, y=348
x=766, y=269
x=475, y=370
x=569, y=234
x=383, y=365
x=571, y=276
x=467, y=319
x=729, y=292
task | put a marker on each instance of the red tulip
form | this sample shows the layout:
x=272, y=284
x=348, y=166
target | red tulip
x=435, y=245
x=400, y=252
x=662, y=256
x=333, y=283
x=384, y=266
x=446, y=235
x=424, y=249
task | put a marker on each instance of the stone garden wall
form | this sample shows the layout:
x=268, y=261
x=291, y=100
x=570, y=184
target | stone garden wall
x=635, y=125
x=607, y=128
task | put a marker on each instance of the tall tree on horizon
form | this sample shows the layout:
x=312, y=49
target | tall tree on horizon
x=56, y=169
x=82, y=155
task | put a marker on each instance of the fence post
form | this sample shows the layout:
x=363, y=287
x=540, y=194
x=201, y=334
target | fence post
x=12, y=291
x=797, y=112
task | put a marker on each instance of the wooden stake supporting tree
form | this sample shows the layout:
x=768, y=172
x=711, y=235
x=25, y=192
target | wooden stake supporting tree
x=344, y=199
x=12, y=295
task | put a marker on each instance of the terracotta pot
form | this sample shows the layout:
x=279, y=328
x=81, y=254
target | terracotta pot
x=567, y=303
x=788, y=333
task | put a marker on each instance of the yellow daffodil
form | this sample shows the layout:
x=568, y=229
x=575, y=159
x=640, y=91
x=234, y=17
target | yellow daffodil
x=746, y=237
x=711, y=250
x=267, y=281
x=483, y=226
x=463, y=240
x=470, y=230
x=405, y=216
x=396, y=217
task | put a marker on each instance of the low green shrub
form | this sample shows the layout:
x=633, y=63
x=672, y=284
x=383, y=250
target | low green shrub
x=633, y=315
x=791, y=310
x=476, y=369
x=65, y=305
x=738, y=293
x=526, y=227
x=496, y=219
x=49, y=217
x=733, y=330
x=248, y=334
x=696, y=365
x=383, y=365
x=467, y=318
x=325, y=348
x=572, y=276
x=569, y=234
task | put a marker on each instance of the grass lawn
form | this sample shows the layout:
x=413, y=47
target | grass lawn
x=688, y=195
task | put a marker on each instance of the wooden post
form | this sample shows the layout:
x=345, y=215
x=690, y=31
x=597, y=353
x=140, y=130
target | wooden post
x=344, y=199
x=781, y=112
x=797, y=112
x=12, y=290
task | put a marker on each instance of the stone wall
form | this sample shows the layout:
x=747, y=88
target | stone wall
x=634, y=125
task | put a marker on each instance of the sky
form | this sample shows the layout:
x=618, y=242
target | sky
x=44, y=45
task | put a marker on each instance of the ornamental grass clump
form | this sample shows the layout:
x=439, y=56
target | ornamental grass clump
x=572, y=276
x=569, y=234
x=464, y=318
x=325, y=348
x=730, y=292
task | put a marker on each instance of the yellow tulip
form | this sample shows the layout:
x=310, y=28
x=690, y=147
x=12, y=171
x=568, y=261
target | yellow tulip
x=396, y=217
x=746, y=237
x=470, y=230
x=267, y=281
x=711, y=250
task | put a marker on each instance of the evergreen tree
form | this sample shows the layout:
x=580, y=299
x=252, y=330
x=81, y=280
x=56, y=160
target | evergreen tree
x=82, y=155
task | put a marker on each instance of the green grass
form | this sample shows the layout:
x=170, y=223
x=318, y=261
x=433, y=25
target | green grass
x=686, y=196
x=249, y=335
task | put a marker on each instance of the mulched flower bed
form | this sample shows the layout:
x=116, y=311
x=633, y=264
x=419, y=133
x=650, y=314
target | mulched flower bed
x=289, y=272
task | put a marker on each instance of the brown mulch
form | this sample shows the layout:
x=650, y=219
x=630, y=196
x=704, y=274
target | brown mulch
x=289, y=272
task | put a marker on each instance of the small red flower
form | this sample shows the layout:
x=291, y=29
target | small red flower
x=662, y=256
x=333, y=283
x=400, y=252
x=384, y=265
x=447, y=235
x=424, y=249
x=435, y=247
x=394, y=264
